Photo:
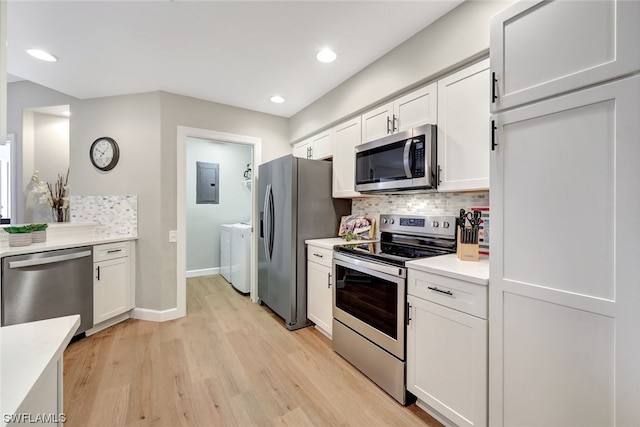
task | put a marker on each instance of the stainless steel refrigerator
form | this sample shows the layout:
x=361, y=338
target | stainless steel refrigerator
x=295, y=205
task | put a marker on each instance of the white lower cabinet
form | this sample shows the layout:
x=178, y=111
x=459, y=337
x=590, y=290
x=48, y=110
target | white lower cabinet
x=43, y=405
x=447, y=348
x=319, y=292
x=113, y=293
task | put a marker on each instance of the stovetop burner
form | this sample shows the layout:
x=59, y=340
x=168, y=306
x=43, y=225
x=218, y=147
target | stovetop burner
x=404, y=238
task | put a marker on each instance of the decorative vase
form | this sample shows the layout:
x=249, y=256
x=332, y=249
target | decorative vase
x=59, y=214
x=39, y=236
x=19, y=239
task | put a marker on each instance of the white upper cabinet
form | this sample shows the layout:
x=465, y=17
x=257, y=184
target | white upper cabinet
x=546, y=48
x=322, y=145
x=302, y=149
x=318, y=147
x=346, y=136
x=377, y=122
x=417, y=108
x=413, y=109
x=463, y=129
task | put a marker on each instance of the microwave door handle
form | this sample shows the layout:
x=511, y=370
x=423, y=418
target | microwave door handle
x=406, y=158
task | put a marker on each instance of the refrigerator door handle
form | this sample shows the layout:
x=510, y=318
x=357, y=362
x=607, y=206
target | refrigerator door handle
x=272, y=215
x=267, y=221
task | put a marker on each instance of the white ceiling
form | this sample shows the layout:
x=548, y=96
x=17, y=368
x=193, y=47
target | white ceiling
x=233, y=52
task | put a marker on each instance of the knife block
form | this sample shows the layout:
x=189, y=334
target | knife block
x=467, y=251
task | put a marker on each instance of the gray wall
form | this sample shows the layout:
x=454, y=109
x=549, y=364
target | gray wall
x=145, y=127
x=459, y=37
x=134, y=122
x=203, y=220
x=185, y=111
x=22, y=96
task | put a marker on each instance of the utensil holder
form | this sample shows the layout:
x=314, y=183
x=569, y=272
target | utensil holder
x=467, y=251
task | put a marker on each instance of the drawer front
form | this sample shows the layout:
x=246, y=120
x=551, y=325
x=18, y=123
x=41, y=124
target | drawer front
x=320, y=255
x=110, y=251
x=464, y=296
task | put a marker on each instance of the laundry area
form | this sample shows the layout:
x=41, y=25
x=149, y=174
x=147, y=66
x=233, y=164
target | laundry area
x=219, y=203
x=235, y=255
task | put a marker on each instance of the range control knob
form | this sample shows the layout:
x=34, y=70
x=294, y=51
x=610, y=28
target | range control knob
x=435, y=224
x=384, y=220
x=392, y=220
x=445, y=224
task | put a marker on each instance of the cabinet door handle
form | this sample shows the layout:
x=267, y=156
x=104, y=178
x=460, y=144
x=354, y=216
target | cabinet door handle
x=493, y=135
x=433, y=288
x=439, y=175
x=395, y=123
x=98, y=272
x=388, y=125
x=494, y=82
x=318, y=255
x=408, y=314
x=329, y=280
x=113, y=251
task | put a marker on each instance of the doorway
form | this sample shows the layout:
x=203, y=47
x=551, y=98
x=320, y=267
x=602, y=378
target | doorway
x=184, y=134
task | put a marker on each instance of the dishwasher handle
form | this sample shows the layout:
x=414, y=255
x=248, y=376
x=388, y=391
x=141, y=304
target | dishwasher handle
x=48, y=260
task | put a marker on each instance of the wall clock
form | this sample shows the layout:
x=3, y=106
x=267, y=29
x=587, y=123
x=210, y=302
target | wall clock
x=104, y=153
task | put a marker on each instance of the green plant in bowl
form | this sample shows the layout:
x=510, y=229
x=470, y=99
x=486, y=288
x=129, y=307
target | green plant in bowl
x=38, y=227
x=18, y=229
x=350, y=235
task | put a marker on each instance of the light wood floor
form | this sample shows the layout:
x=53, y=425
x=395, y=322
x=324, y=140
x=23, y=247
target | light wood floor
x=229, y=362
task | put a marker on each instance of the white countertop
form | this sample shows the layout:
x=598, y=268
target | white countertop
x=26, y=351
x=451, y=266
x=330, y=242
x=61, y=242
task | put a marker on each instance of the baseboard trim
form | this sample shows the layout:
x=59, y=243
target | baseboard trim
x=203, y=272
x=156, y=315
x=108, y=323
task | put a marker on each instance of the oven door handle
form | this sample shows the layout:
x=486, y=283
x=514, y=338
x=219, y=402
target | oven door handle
x=406, y=158
x=359, y=264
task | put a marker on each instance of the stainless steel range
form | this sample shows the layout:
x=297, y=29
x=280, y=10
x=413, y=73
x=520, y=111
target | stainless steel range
x=370, y=295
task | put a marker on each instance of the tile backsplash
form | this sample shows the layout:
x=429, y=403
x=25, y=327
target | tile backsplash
x=114, y=215
x=426, y=204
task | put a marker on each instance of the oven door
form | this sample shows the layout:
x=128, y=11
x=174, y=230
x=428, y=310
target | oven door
x=369, y=298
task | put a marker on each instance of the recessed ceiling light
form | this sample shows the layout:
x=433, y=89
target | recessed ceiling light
x=41, y=54
x=326, y=55
x=277, y=99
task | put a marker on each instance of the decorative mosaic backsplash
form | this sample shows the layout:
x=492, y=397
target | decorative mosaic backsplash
x=115, y=215
x=426, y=204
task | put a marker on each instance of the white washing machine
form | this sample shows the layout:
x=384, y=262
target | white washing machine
x=241, y=257
x=225, y=251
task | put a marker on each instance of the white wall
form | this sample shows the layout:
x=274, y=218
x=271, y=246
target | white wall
x=22, y=96
x=3, y=69
x=458, y=37
x=203, y=220
x=45, y=148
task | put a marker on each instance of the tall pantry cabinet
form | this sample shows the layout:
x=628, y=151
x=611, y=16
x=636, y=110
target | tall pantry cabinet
x=564, y=299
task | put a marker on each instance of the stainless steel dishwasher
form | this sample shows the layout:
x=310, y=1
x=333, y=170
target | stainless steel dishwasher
x=49, y=284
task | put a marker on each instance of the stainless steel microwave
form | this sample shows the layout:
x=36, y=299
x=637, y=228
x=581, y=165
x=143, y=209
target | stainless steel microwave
x=400, y=162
